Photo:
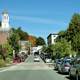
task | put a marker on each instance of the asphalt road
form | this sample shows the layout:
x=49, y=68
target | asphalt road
x=30, y=70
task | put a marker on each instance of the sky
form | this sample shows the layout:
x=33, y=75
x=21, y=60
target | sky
x=40, y=17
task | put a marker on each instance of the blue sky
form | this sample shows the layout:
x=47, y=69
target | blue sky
x=40, y=17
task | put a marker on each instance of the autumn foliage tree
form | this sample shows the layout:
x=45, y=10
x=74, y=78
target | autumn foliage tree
x=23, y=35
x=32, y=40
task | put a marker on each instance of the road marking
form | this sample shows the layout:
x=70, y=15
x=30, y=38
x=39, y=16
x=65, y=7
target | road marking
x=28, y=66
x=8, y=68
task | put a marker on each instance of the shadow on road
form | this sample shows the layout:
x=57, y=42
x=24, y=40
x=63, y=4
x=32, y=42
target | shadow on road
x=69, y=78
x=55, y=69
x=63, y=74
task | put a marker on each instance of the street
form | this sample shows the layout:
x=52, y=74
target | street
x=30, y=70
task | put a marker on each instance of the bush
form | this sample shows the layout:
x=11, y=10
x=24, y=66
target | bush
x=8, y=60
x=2, y=63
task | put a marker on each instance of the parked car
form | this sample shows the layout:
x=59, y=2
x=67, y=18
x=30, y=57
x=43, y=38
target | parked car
x=57, y=62
x=64, y=66
x=74, y=71
x=42, y=56
x=23, y=56
x=48, y=60
x=36, y=53
x=16, y=59
x=36, y=59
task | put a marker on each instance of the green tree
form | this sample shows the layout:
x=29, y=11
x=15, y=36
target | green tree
x=61, y=35
x=62, y=48
x=23, y=35
x=73, y=32
x=74, y=26
x=1, y=51
x=9, y=49
x=40, y=41
x=76, y=43
x=14, y=40
x=49, y=50
x=44, y=48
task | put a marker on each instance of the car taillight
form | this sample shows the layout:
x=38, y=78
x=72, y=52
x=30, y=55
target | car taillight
x=66, y=65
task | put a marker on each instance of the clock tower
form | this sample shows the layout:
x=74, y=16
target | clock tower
x=5, y=21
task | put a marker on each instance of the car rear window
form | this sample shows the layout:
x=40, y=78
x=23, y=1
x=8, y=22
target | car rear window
x=67, y=61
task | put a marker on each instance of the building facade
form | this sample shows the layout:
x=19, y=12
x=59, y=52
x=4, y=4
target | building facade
x=51, y=39
x=4, y=28
x=24, y=45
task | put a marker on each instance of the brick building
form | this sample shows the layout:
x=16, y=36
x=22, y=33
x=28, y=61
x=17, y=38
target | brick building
x=3, y=37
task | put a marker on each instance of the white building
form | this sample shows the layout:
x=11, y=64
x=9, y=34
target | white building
x=37, y=49
x=24, y=44
x=51, y=39
x=4, y=28
x=5, y=22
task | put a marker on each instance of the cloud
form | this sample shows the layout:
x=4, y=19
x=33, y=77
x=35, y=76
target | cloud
x=38, y=20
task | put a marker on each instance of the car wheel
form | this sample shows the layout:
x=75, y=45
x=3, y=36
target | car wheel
x=62, y=71
x=70, y=76
x=59, y=71
x=77, y=76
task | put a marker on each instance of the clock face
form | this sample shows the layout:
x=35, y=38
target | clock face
x=5, y=17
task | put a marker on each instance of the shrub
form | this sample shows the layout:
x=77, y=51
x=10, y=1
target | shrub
x=2, y=63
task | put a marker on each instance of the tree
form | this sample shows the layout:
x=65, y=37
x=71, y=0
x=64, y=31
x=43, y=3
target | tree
x=9, y=49
x=62, y=49
x=74, y=26
x=32, y=40
x=23, y=35
x=76, y=43
x=40, y=41
x=61, y=35
x=73, y=32
x=14, y=40
x=1, y=52
x=44, y=48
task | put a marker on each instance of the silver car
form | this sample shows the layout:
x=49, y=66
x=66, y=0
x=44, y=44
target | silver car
x=48, y=60
x=64, y=66
x=57, y=62
x=74, y=72
x=36, y=59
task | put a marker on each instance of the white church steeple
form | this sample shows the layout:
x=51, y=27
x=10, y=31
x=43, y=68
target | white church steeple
x=5, y=21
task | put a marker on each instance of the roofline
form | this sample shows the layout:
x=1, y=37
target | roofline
x=51, y=34
x=5, y=12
